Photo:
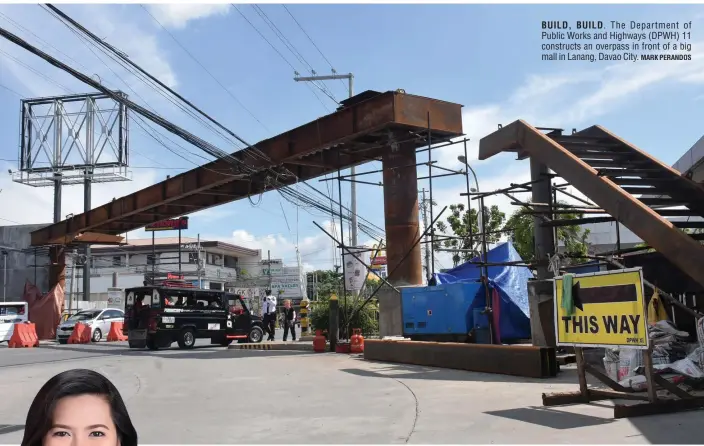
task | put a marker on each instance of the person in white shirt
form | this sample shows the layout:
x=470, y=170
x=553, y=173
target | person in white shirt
x=269, y=315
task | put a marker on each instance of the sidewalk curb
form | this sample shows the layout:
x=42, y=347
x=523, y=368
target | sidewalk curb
x=297, y=346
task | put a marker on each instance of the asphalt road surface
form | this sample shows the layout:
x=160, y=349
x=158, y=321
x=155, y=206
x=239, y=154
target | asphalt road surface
x=213, y=395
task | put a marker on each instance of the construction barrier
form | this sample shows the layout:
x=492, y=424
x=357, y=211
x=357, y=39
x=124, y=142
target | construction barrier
x=24, y=335
x=516, y=360
x=116, y=332
x=81, y=334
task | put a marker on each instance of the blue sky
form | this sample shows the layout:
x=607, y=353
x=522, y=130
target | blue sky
x=484, y=57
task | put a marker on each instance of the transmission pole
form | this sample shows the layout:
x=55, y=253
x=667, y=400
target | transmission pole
x=353, y=185
x=424, y=209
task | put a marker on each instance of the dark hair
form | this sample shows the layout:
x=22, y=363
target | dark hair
x=75, y=382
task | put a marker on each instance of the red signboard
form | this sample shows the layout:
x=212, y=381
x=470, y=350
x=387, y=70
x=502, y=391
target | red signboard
x=379, y=260
x=173, y=224
x=170, y=276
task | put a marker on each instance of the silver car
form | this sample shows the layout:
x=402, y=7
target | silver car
x=98, y=320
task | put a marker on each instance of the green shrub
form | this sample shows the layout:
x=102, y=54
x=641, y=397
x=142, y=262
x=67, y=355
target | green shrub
x=366, y=319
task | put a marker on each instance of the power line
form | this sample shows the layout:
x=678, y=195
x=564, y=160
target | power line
x=122, y=59
x=292, y=48
x=155, y=118
x=227, y=90
x=279, y=53
x=311, y=41
x=131, y=167
x=11, y=90
x=38, y=73
x=138, y=118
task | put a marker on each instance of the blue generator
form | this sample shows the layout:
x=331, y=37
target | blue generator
x=441, y=313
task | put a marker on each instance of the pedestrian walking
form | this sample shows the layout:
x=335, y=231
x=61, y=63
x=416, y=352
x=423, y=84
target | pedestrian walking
x=269, y=315
x=289, y=320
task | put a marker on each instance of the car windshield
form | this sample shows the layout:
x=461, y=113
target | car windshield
x=84, y=316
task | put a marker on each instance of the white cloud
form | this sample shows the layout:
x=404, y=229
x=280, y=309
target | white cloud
x=571, y=98
x=50, y=35
x=178, y=15
x=316, y=250
x=32, y=205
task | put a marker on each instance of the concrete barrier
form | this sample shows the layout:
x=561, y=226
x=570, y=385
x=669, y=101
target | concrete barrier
x=517, y=360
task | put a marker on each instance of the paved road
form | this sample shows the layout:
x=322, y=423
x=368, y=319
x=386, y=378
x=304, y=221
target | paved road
x=214, y=395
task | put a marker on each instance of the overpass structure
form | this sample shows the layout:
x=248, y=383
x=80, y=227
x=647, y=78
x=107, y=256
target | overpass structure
x=626, y=183
x=371, y=126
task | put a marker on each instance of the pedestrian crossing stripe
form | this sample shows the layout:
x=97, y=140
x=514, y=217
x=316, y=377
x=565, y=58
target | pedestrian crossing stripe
x=255, y=347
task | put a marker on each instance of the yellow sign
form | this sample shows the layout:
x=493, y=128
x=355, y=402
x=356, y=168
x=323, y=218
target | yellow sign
x=608, y=310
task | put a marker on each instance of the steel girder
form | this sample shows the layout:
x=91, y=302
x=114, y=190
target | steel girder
x=681, y=249
x=355, y=134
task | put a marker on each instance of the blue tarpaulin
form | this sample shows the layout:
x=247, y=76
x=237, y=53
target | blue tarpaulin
x=511, y=283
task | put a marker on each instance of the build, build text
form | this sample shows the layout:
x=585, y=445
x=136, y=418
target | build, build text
x=617, y=41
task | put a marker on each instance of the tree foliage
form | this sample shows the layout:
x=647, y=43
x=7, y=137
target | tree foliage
x=573, y=238
x=366, y=319
x=327, y=282
x=462, y=223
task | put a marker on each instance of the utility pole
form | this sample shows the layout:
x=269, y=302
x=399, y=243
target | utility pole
x=424, y=209
x=4, y=276
x=353, y=185
x=268, y=256
x=74, y=284
x=200, y=283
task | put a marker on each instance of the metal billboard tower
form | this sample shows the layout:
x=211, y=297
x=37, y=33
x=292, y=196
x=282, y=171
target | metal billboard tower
x=70, y=140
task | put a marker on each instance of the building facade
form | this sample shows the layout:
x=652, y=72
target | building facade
x=207, y=264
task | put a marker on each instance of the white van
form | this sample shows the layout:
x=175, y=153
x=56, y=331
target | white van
x=12, y=313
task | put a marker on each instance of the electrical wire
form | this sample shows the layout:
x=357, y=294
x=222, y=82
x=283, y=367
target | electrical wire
x=292, y=48
x=121, y=59
x=206, y=70
x=280, y=54
x=292, y=195
x=311, y=41
x=42, y=75
x=11, y=91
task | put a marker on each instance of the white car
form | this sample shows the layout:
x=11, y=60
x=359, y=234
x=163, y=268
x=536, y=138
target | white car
x=98, y=320
x=11, y=313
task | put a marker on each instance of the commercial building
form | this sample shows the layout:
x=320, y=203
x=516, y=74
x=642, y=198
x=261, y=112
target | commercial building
x=205, y=263
x=208, y=264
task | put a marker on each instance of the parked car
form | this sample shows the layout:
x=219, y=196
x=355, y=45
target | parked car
x=11, y=313
x=98, y=320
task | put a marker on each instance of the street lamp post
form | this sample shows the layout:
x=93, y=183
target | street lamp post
x=485, y=269
x=462, y=159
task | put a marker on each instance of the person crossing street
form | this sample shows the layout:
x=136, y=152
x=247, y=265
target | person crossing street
x=269, y=315
x=289, y=320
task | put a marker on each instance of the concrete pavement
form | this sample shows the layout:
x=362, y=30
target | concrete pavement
x=216, y=395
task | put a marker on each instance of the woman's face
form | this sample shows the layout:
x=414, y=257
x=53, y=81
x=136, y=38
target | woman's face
x=82, y=420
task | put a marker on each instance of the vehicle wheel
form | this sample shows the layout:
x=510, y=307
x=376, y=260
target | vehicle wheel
x=256, y=334
x=97, y=335
x=187, y=339
x=63, y=341
x=152, y=344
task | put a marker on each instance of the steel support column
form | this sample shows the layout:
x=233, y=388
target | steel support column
x=543, y=236
x=86, y=208
x=401, y=215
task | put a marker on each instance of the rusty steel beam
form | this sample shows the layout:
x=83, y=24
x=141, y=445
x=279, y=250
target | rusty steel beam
x=675, y=245
x=390, y=112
